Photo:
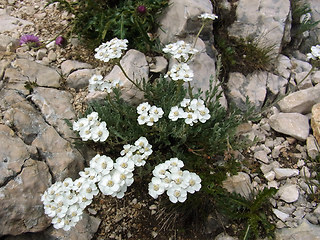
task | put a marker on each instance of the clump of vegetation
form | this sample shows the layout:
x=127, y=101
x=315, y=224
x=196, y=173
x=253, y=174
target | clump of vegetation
x=302, y=22
x=97, y=21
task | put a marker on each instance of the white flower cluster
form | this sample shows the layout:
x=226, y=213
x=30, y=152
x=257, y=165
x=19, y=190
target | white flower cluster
x=111, y=50
x=180, y=71
x=65, y=201
x=169, y=177
x=315, y=53
x=191, y=111
x=90, y=128
x=97, y=83
x=209, y=16
x=180, y=50
x=148, y=114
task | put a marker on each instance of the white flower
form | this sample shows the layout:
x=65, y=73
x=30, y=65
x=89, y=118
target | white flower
x=81, y=123
x=102, y=164
x=156, y=187
x=143, y=108
x=83, y=201
x=123, y=178
x=175, y=113
x=210, y=16
x=143, y=118
x=85, y=133
x=88, y=190
x=92, y=118
x=191, y=118
x=108, y=185
x=181, y=71
x=111, y=50
x=185, y=102
x=315, y=53
x=177, y=194
x=194, y=183
x=100, y=133
x=78, y=183
x=203, y=114
x=124, y=165
x=156, y=111
x=58, y=222
x=75, y=212
x=90, y=174
x=180, y=50
x=160, y=170
x=71, y=198
x=96, y=79
x=174, y=163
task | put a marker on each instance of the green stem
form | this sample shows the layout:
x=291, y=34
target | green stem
x=200, y=30
x=126, y=75
x=311, y=70
x=190, y=90
x=179, y=85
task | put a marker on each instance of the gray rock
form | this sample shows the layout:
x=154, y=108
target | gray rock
x=283, y=173
x=312, y=147
x=281, y=215
x=284, y=66
x=69, y=66
x=21, y=208
x=184, y=14
x=253, y=86
x=79, y=79
x=300, y=101
x=293, y=124
x=270, y=176
x=300, y=66
x=136, y=67
x=276, y=85
x=159, y=66
x=12, y=24
x=288, y=193
x=262, y=156
x=306, y=231
x=35, y=72
x=302, y=82
x=224, y=236
x=268, y=21
x=239, y=183
x=315, y=77
x=56, y=107
x=7, y=43
x=41, y=53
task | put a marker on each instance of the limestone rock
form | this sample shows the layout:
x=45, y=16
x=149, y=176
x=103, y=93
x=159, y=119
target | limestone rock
x=21, y=208
x=292, y=124
x=288, y=193
x=80, y=78
x=70, y=66
x=306, y=231
x=281, y=215
x=312, y=147
x=184, y=14
x=159, y=66
x=7, y=43
x=239, y=183
x=13, y=153
x=11, y=24
x=136, y=67
x=284, y=66
x=300, y=101
x=276, y=85
x=283, y=173
x=266, y=20
x=63, y=160
x=253, y=86
x=56, y=107
x=42, y=75
x=262, y=156
x=315, y=121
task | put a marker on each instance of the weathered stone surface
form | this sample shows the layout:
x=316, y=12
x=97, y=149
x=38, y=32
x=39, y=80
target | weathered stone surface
x=80, y=78
x=63, y=160
x=253, y=86
x=300, y=101
x=284, y=66
x=38, y=73
x=13, y=153
x=11, y=24
x=288, y=193
x=283, y=173
x=184, y=14
x=266, y=21
x=306, y=231
x=159, y=65
x=56, y=107
x=281, y=215
x=136, y=67
x=276, y=85
x=293, y=124
x=21, y=208
x=315, y=121
x=84, y=230
x=302, y=82
x=239, y=183
x=8, y=43
x=15, y=80
x=70, y=66
x=312, y=147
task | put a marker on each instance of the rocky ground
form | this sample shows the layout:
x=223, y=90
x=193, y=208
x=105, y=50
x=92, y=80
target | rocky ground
x=40, y=88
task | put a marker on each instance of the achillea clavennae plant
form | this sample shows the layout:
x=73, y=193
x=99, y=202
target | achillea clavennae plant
x=206, y=129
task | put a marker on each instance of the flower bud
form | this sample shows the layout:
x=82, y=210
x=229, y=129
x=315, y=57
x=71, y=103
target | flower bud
x=60, y=41
x=141, y=9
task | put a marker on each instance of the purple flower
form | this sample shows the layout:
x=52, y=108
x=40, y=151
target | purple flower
x=29, y=39
x=141, y=9
x=60, y=41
